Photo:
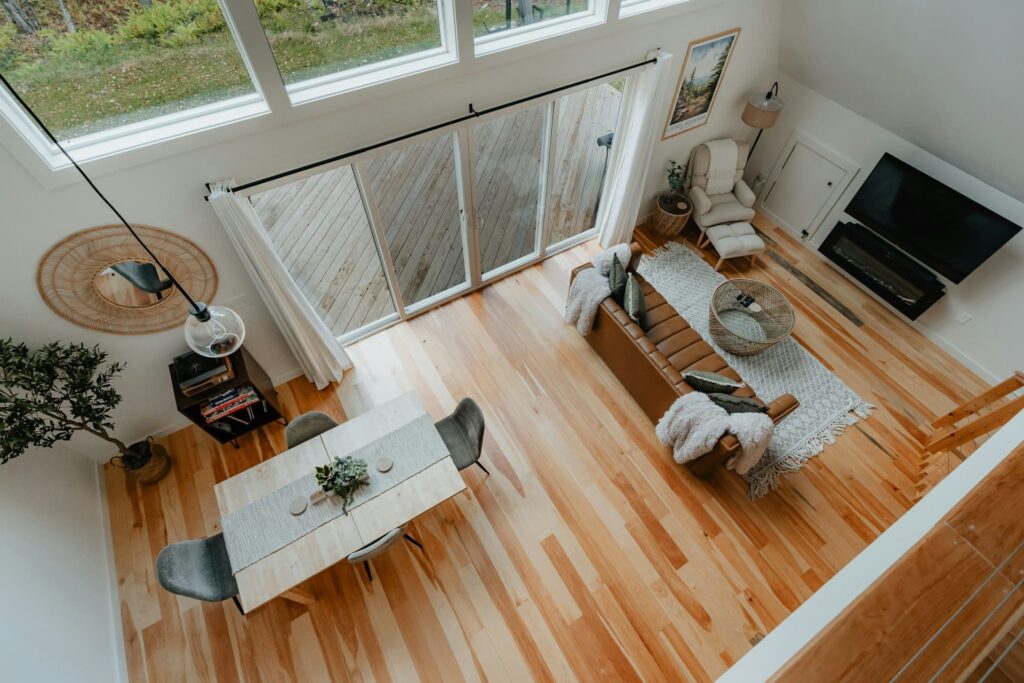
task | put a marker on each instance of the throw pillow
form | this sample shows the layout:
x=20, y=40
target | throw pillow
x=633, y=302
x=737, y=404
x=617, y=281
x=711, y=382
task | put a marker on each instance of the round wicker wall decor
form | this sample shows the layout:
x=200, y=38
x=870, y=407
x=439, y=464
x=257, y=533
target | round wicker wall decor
x=75, y=279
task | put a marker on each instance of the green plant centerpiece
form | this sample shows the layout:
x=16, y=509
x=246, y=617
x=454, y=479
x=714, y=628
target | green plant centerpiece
x=49, y=394
x=342, y=477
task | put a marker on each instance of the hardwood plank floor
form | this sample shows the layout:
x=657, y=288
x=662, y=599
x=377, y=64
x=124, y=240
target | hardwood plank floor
x=587, y=554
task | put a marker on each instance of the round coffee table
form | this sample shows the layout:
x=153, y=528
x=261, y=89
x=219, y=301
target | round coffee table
x=748, y=317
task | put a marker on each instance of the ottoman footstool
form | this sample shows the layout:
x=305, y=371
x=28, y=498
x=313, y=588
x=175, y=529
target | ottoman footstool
x=734, y=240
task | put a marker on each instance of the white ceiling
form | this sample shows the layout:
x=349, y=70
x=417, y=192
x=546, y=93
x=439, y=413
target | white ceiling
x=947, y=75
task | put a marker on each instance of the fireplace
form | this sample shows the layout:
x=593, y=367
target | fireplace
x=907, y=286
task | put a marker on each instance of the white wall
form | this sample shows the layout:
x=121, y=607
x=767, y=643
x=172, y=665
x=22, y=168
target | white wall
x=991, y=341
x=169, y=192
x=942, y=74
x=57, y=591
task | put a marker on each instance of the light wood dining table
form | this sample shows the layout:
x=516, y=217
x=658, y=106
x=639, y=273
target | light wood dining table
x=281, y=572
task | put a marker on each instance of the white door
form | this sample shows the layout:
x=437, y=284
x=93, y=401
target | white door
x=803, y=189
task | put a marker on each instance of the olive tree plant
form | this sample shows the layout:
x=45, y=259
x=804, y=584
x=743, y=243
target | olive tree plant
x=48, y=394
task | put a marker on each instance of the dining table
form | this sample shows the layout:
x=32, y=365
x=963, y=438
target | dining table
x=273, y=549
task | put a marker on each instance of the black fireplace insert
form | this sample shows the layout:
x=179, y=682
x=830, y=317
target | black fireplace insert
x=907, y=286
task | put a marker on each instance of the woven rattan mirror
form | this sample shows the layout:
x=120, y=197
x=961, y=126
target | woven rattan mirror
x=102, y=279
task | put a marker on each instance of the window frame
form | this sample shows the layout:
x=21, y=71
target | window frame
x=596, y=15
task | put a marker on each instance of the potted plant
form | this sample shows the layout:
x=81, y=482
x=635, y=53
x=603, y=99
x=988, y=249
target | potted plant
x=342, y=477
x=48, y=394
x=674, y=207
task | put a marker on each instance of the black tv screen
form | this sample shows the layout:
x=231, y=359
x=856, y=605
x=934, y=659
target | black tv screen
x=930, y=221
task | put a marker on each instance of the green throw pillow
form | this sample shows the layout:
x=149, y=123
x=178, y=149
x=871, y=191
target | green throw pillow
x=711, y=382
x=738, y=404
x=617, y=280
x=633, y=302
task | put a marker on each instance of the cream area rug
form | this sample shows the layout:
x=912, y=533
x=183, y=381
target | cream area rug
x=827, y=406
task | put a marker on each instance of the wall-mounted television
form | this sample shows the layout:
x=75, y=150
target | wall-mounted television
x=932, y=222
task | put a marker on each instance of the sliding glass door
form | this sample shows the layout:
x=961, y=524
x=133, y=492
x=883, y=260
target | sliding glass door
x=410, y=226
x=509, y=165
x=416, y=198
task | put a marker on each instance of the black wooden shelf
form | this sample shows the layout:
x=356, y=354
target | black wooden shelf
x=227, y=429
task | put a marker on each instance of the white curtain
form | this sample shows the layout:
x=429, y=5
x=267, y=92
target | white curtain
x=315, y=347
x=642, y=114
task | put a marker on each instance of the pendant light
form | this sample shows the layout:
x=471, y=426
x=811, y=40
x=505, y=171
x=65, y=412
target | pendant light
x=211, y=331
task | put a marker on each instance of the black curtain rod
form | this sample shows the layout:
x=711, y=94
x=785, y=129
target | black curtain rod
x=473, y=113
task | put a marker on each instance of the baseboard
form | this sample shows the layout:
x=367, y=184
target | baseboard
x=120, y=656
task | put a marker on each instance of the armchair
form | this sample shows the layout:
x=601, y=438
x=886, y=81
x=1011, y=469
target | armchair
x=719, y=196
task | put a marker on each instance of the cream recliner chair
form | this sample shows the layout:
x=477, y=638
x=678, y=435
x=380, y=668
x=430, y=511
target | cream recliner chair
x=719, y=196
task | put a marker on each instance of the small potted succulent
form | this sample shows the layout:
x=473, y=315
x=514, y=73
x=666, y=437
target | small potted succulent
x=48, y=394
x=674, y=207
x=342, y=477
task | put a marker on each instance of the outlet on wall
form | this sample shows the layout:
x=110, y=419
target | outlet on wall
x=964, y=317
x=759, y=181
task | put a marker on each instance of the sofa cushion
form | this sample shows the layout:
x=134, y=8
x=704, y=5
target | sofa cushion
x=738, y=404
x=633, y=301
x=711, y=382
x=617, y=280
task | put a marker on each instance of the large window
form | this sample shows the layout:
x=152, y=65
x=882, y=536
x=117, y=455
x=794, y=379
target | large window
x=495, y=16
x=318, y=38
x=87, y=67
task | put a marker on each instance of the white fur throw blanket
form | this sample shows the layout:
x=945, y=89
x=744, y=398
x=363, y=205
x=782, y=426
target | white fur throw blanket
x=693, y=424
x=590, y=288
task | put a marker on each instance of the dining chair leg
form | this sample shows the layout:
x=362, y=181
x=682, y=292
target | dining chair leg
x=481, y=466
x=369, y=574
x=238, y=604
x=413, y=541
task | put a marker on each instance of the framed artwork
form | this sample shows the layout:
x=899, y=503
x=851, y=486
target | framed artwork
x=703, y=70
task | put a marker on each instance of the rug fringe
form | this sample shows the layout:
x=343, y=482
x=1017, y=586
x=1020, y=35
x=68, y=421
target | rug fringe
x=763, y=480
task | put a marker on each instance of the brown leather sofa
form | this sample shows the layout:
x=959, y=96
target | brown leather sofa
x=650, y=365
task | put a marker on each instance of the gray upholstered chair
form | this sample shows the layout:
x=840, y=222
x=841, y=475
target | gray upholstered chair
x=718, y=200
x=306, y=426
x=463, y=434
x=198, y=569
x=372, y=550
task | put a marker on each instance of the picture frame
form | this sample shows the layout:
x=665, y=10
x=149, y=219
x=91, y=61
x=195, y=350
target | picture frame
x=700, y=79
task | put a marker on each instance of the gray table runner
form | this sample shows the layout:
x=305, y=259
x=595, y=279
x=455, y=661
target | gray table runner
x=266, y=525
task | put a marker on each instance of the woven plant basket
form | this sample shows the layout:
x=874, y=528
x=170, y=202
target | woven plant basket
x=153, y=469
x=748, y=317
x=668, y=223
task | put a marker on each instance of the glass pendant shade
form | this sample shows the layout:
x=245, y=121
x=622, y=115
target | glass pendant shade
x=215, y=332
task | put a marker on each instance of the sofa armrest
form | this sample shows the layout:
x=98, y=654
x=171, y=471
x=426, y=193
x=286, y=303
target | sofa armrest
x=728, y=445
x=701, y=202
x=744, y=194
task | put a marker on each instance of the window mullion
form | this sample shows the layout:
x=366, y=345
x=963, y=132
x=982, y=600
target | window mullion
x=465, y=173
x=547, y=176
x=462, y=11
x=245, y=24
x=379, y=236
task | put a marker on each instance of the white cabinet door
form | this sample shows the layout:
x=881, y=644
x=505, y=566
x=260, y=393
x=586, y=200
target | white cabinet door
x=803, y=189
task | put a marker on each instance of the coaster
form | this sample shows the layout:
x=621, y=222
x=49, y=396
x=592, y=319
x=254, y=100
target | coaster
x=384, y=465
x=317, y=496
x=298, y=505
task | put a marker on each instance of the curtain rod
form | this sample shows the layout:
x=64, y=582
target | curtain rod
x=473, y=113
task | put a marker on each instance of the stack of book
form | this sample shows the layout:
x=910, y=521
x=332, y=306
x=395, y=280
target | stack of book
x=230, y=402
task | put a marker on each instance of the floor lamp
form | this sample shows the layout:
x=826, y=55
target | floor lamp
x=762, y=111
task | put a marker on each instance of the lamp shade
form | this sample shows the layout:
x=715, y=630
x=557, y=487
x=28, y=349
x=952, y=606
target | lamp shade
x=762, y=110
x=215, y=332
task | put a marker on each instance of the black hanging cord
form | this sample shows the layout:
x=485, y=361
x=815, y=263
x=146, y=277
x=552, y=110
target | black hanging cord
x=195, y=308
x=473, y=113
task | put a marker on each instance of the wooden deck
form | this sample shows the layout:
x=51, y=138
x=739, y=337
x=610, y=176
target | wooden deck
x=322, y=234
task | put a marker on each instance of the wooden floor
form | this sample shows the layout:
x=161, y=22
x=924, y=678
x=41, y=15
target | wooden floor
x=587, y=554
x=322, y=234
